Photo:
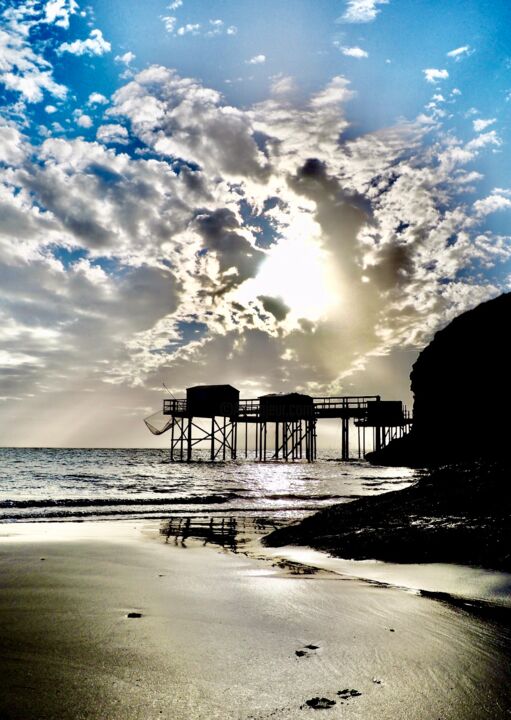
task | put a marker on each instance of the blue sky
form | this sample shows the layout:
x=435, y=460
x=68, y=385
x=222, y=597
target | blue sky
x=277, y=194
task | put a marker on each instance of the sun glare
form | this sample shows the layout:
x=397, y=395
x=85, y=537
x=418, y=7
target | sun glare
x=298, y=272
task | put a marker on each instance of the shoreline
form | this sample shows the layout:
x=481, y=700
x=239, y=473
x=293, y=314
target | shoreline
x=69, y=649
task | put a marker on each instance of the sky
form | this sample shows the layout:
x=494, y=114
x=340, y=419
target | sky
x=280, y=195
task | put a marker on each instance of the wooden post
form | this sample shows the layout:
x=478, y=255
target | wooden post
x=189, y=441
x=172, y=440
x=224, y=440
x=345, y=454
x=212, y=439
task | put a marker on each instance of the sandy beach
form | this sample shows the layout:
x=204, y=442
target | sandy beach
x=222, y=635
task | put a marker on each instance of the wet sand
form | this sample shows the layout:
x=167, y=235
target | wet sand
x=222, y=635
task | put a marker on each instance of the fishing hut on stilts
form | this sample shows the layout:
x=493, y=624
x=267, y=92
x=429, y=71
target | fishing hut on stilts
x=279, y=426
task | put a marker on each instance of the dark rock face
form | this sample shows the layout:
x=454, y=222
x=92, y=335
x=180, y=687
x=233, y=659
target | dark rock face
x=462, y=387
x=456, y=514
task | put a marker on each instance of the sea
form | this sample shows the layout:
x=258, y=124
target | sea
x=49, y=484
x=220, y=503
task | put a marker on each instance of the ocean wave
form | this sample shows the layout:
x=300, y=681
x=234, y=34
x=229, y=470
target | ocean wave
x=146, y=513
x=105, y=502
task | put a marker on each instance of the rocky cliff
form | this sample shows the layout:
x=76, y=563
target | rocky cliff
x=462, y=392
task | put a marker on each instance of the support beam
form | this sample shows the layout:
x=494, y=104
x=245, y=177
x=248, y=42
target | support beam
x=345, y=451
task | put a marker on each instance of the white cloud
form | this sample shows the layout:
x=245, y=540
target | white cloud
x=480, y=124
x=216, y=28
x=362, y=11
x=95, y=44
x=96, y=98
x=50, y=109
x=127, y=58
x=58, y=12
x=175, y=5
x=112, y=133
x=170, y=23
x=483, y=140
x=84, y=121
x=460, y=53
x=282, y=85
x=354, y=52
x=433, y=75
x=22, y=69
x=492, y=203
x=189, y=29
x=13, y=146
x=256, y=60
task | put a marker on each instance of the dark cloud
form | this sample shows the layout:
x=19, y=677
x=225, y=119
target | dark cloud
x=274, y=305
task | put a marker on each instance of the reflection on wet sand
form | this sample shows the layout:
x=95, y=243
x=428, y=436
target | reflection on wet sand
x=228, y=532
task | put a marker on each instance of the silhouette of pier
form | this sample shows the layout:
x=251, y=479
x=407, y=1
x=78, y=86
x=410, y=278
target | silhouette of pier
x=282, y=426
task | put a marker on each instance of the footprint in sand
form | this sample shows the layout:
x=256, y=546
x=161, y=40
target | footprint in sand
x=318, y=703
x=306, y=650
x=347, y=694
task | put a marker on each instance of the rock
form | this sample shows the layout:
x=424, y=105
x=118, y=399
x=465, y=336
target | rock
x=453, y=514
x=134, y=615
x=461, y=385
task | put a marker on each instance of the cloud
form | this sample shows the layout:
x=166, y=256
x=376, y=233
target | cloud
x=214, y=28
x=282, y=85
x=112, y=133
x=275, y=306
x=492, y=203
x=96, y=98
x=84, y=121
x=58, y=12
x=22, y=69
x=175, y=5
x=95, y=44
x=170, y=22
x=208, y=218
x=256, y=60
x=13, y=145
x=480, y=125
x=179, y=118
x=362, y=11
x=354, y=52
x=483, y=140
x=460, y=53
x=433, y=75
x=127, y=58
x=189, y=29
